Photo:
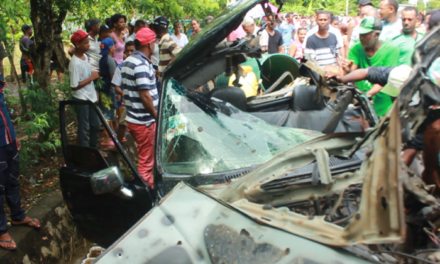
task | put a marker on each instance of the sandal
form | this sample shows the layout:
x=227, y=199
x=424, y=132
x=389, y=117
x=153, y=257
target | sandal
x=27, y=223
x=10, y=242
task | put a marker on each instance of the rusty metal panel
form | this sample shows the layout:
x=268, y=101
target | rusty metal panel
x=191, y=227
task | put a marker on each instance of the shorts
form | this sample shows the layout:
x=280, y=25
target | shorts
x=120, y=102
x=417, y=142
x=108, y=106
x=53, y=66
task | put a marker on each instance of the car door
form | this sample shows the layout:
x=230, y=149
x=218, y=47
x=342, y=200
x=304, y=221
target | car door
x=100, y=218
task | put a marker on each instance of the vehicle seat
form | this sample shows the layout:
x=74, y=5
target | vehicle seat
x=233, y=95
x=304, y=99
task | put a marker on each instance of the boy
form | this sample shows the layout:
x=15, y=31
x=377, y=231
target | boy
x=81, y=82
x=107, y=67
x=117, y=81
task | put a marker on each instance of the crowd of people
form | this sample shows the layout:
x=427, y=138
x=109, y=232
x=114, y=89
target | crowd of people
x=119, y=66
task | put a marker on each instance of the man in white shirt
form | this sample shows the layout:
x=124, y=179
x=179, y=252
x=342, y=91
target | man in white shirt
x=332, y=30
x=392, y=26
x=252, y=30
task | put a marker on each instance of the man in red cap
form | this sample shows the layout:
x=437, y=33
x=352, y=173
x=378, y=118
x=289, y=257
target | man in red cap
x=141, y=100
x=81, y=82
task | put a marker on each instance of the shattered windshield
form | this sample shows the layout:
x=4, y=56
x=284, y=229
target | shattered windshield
x=202, y=135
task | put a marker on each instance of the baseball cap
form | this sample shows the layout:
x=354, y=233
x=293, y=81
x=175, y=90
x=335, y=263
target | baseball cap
x=25, y=28
x=145, y=36
x=103, y=28
x=78, y=36
x=368, y=24
x=106, y=44
x=434, y=20
x=398, y=76
x=161, y=21
x=364, y=2
x=90, y=23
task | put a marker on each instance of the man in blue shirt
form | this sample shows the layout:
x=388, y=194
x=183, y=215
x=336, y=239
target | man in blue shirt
x=287, y=28
x=9, y=173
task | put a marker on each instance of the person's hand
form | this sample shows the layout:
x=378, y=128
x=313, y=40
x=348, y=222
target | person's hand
x=18, y=144
x=95, y=75
x=330, y=74
x=346, y=64
x=156, y=73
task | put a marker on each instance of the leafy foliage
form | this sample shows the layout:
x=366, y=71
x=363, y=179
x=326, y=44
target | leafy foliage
x=308, y=7
x=41, y=123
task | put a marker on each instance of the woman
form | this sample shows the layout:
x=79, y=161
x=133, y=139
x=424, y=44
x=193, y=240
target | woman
x=180, y=39
x=195, y=24
x=118, y=22
x=296, y=48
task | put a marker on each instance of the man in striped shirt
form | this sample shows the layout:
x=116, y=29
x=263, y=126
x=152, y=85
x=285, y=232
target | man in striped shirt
x=141, y=100
x=168, y=49
x=322, y=47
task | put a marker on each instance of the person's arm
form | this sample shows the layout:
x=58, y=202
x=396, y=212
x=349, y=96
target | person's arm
x=351, y=63
x=375, y=89
x=342, y=52
x=144, y=84
x=82, y=84
x=147, y=101
x=175, y=50
x=75, y=83
x=354, y=76
x=280, y=49
x=292, y=50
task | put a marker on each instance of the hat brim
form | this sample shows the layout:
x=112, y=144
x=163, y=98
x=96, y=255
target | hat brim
x=390, y=90
x=104, y=51
x=363, y=31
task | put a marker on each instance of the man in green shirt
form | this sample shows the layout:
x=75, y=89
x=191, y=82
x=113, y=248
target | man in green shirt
x=409, y=36
x=370, y=51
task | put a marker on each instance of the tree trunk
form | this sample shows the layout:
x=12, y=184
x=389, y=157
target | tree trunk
x=48, y=42
x=47, y=19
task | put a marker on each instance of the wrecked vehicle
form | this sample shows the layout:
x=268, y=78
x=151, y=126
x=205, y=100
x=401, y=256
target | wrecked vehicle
x=232, y=187
x=205, y=138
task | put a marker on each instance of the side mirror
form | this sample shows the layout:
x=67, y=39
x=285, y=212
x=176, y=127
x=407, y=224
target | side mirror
x=110, y=180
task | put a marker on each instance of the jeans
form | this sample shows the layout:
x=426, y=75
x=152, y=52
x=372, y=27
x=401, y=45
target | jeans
x=144, y=137
x=9, y=187
x=88, y=120
x=24, y=69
